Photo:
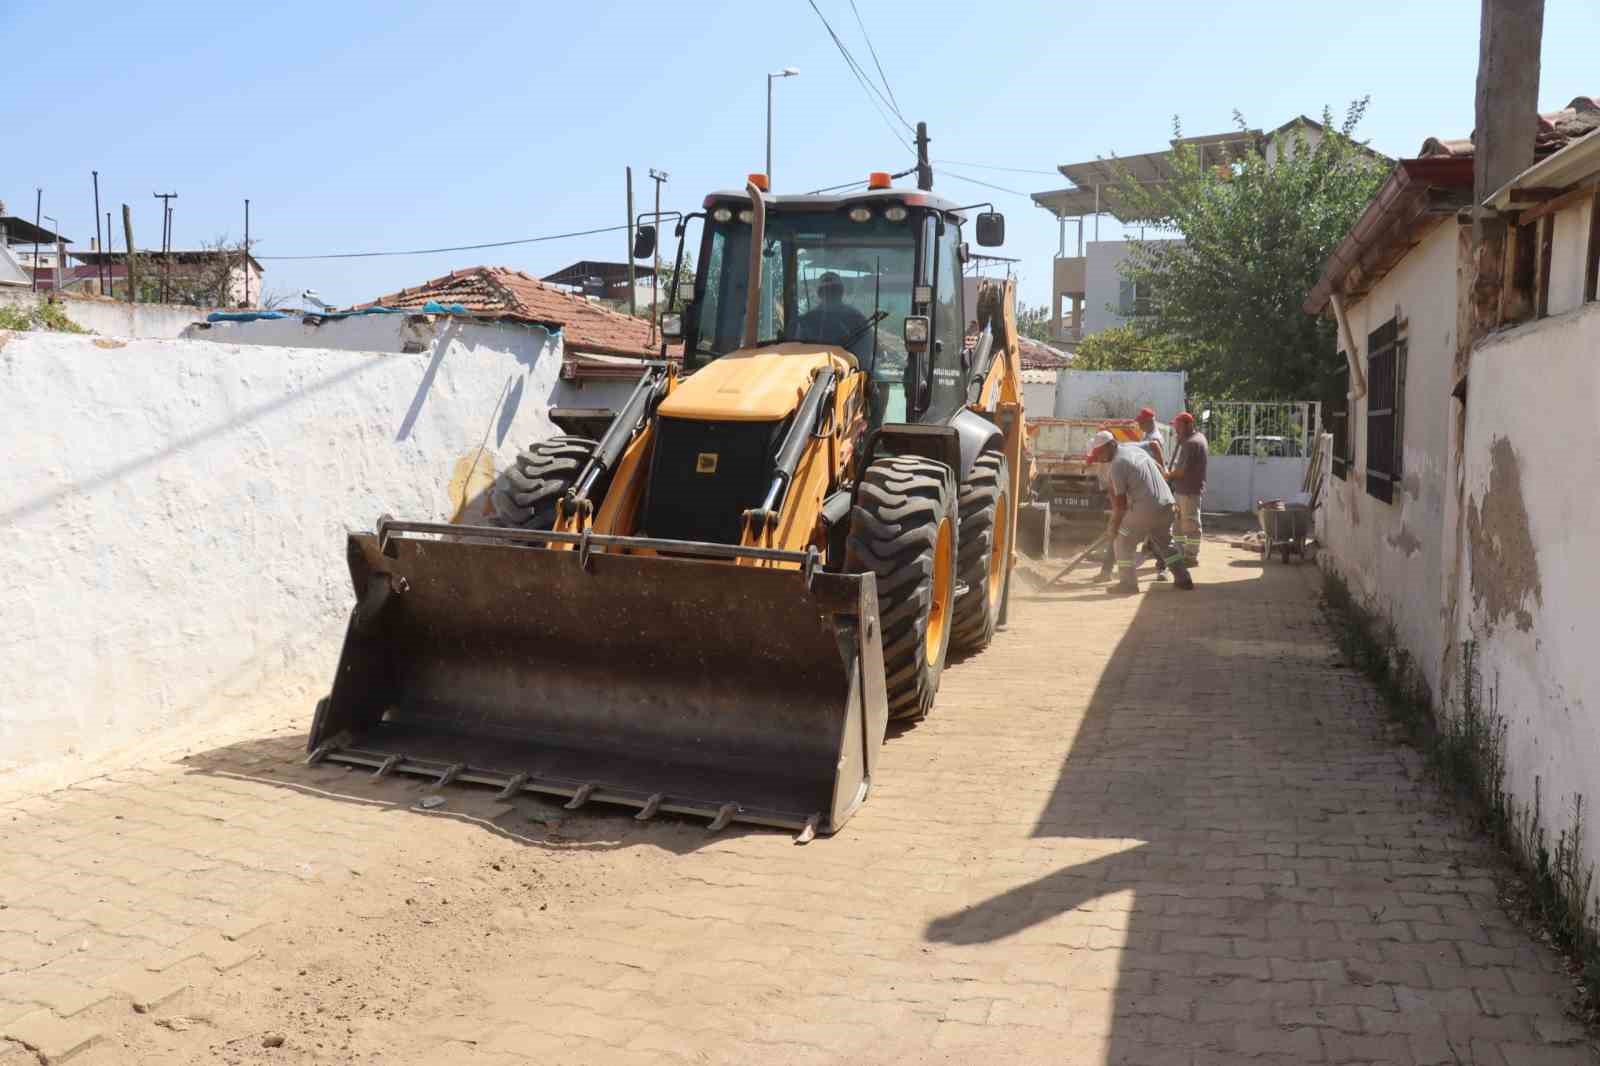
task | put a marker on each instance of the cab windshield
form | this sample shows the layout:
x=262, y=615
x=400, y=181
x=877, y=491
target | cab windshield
x=825, y=277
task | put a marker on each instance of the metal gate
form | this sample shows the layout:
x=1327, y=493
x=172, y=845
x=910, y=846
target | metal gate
x=1259, y=451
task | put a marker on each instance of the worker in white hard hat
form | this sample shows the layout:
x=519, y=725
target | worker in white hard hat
x=1141, y=509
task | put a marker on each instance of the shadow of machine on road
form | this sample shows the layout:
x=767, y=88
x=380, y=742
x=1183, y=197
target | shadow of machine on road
x=280, y=762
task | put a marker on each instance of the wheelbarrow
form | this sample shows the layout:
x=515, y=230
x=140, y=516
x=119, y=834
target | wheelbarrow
x=1285, y=526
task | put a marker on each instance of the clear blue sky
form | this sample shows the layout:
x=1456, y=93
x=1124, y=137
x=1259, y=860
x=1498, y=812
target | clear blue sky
x=388, y=126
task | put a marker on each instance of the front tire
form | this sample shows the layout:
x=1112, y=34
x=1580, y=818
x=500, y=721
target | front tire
x=984, y=564
x=527, y=492
x=903, y=529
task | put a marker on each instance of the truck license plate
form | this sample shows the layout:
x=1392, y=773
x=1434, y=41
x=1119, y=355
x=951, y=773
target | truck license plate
x=1082, y=502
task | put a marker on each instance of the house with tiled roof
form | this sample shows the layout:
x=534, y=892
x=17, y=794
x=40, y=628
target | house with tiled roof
x=587, y=327
x=1456, y=507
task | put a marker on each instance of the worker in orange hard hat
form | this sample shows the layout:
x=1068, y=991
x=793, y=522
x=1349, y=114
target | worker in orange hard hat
x=1188, y=480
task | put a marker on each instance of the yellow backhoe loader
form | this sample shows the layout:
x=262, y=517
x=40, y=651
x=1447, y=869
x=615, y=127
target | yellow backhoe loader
x=716, y=606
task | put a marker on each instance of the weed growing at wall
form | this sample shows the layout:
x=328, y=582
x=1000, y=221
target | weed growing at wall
x=1465, y=755
x=42, y=315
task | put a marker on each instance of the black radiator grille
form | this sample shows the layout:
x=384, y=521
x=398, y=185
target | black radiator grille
x=705, y=475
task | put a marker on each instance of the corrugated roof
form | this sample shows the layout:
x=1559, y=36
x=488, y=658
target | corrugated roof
x=1556, y=130
x=586, y=326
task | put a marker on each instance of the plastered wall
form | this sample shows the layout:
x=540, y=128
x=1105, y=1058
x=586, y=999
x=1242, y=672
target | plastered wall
x=1530, y=583
x=173, y=514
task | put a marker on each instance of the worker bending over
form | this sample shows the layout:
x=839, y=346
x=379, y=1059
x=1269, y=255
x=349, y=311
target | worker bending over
x=1141, y=509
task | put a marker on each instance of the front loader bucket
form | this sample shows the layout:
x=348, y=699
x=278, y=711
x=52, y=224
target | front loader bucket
x=667, y=684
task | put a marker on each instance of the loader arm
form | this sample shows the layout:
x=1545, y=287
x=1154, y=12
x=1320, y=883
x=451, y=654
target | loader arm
x=1000, y=397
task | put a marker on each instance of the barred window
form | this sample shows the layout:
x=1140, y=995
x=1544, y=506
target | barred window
x=1386, y=373
x=1337, y=404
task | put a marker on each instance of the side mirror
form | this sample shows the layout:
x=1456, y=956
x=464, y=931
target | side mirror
x=991, y=229
x=644, y=242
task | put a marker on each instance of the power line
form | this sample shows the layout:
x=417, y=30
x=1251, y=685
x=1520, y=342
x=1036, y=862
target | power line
x=860, y=75
x=455, y=248
x=881, y=76
x=985, y=184
x=1009, y=170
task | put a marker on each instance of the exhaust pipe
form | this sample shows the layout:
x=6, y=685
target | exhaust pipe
x=752, y=295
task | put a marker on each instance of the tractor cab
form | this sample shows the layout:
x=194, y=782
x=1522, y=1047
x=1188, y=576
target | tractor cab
x=876, y=273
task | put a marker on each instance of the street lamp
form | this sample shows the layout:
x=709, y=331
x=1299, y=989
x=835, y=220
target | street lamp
x=786, y=72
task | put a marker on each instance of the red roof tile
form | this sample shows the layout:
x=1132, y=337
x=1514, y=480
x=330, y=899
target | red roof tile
x=1556, y=130
x=1039, y=356
x=585, y=326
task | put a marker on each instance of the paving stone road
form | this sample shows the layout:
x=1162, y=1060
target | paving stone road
x=1168, y=829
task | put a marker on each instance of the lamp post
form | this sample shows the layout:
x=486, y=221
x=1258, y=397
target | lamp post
x=786, y=72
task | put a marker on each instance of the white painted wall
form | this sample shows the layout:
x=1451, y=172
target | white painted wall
x=115, y=318
x=1102, y=281
x=173, y=515
x=1534, y=392
x=1391, y=554
x=1236, y=482
x=418, y=332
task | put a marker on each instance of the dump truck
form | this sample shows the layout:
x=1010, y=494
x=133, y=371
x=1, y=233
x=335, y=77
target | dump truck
x=1063, y=478
x=715, y=606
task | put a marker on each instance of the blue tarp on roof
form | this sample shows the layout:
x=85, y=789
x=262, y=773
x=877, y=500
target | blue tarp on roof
x=432, y=307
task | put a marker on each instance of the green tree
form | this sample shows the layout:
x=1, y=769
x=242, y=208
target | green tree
x=1128, y=347
x=1034, y=322
x=1255, y=238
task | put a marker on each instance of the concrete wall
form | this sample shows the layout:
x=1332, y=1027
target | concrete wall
x=1529, y=581
x=173, y=515
x=114, y=318
x=1102, y=284
x=1391, y=554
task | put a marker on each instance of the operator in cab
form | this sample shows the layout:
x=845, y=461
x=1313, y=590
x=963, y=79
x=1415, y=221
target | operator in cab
x=831, y=321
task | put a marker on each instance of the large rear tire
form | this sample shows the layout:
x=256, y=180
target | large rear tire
x=903, y=529
x=527, y=492
x=983, y=565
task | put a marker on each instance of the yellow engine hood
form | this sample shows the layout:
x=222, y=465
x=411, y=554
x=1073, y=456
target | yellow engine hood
x=759, y=385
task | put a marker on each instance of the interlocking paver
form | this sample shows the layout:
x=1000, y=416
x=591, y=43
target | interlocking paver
x=1164, y=829
x=55, y=1039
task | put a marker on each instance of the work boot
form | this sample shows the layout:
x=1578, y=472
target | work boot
x=1104, y=574
x=1127, y=586
x=1181, y=575
x=1161, y=575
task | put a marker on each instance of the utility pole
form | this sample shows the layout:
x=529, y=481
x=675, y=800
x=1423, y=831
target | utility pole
x=246, y=252
x=657, y=176
x=38, y=208
x=166, y=199
x=127, y=237
x=100, y=265
x=924, y=168
x=633, y=303
x=111, y=277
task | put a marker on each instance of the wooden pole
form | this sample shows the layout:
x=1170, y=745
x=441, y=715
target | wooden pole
x=246, y=253
x=633, y=304
x=127, y=236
